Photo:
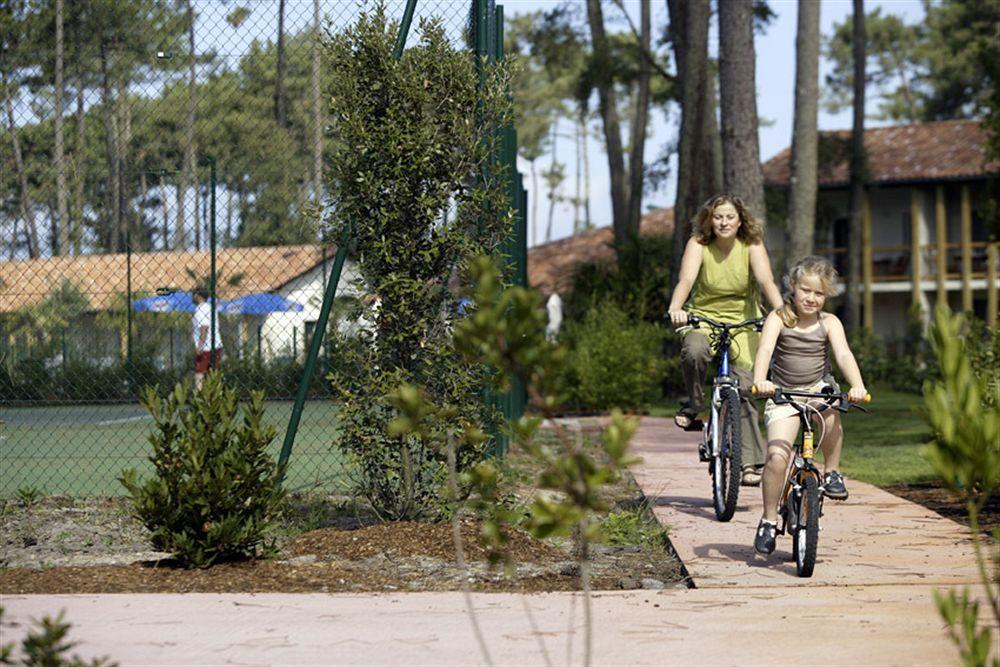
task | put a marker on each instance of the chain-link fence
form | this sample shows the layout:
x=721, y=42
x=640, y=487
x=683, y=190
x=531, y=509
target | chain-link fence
x=153, y=149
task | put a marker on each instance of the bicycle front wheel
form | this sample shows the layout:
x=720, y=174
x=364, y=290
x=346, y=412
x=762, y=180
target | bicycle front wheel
x=726, y=465
x=806, y=538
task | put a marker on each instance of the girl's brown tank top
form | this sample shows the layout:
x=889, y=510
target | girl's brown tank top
x=801, y=358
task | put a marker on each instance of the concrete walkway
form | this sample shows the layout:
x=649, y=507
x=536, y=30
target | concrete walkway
x=868, y=603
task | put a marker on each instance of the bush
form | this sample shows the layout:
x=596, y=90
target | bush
x=216, y=489
x=614, y=363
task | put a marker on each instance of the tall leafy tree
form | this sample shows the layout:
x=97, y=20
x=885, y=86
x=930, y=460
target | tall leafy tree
x=919, y=72
x=59, y=157
x=279, y=72
x=624, y=181
x=803, y=184
x=852, y=300
x=742, y=173
x=697, y=176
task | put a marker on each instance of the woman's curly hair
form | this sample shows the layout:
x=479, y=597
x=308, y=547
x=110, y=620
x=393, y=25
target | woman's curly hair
x=751, y=230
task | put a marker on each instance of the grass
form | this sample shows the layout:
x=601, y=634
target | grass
x=883, y=447
x=81, y=450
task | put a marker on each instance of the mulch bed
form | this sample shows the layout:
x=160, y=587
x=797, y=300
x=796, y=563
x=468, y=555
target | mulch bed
x=935, y=497
x=382, y=557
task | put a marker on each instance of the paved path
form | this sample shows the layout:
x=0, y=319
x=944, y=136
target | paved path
x=869, y=602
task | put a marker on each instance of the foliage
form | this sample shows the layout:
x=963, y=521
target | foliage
x=904, y=366
x=507, y=332
x=216, y=489
x=635, y=525
x=965, y=454
x=640, y=285
x=931, y=71
x=47, y=646
x=409, y=184
x=614, y=363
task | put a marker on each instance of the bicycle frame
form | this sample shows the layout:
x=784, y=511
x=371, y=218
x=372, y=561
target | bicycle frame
x=723, y=376
x=801, y=463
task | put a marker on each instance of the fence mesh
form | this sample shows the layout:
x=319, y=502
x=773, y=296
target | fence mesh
x=109, y=204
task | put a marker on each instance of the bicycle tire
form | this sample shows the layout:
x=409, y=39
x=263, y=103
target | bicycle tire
x=726, y=467
x=805, y=541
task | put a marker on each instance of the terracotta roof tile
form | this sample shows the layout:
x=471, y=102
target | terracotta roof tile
x=944, y=150
x=550, y=266
x=102, y=277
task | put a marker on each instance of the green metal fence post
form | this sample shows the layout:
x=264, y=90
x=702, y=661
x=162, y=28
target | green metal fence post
x=331, y=288
x=212, y=355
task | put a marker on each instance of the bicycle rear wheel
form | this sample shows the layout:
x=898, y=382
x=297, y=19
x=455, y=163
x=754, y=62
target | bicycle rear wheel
x=806, y=538
x=726, y=466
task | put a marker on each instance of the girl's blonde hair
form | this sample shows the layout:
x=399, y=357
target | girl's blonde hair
x=814, y=266
x=751, y=230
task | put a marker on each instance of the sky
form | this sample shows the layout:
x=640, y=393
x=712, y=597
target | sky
x=775, y=78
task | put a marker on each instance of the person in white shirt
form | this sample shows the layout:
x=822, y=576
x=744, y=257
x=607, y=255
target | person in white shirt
x=554, y=308
x=205, y=356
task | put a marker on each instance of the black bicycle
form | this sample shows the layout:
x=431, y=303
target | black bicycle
x=721, y=438
x=801, y=503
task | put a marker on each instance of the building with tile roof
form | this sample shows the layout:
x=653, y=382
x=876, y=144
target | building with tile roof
x=928, y=190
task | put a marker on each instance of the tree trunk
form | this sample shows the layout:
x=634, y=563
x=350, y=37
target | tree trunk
x=741, y=170
x=534, y=203
x=552, y=182
x=636, y=170
x=24, y=201
x=577, y=184
x=123, y=111
x=110, y=234
x=802, y=198
x=587, y=222
x=608, y=106
x=317, y=110
x=62, y=245
x=79, y=170
x=188, y=180
x=852, y=300
x=697, y=155
x=279, y=79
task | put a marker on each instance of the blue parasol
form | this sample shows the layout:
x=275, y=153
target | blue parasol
x=259, y=304
x=173, y=302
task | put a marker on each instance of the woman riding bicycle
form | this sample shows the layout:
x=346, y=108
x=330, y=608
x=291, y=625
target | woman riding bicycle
x=795, y=346
x=719, y=259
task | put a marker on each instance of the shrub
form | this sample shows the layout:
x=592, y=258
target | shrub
x=614, y=363
x=216, y=489
x=413, y=184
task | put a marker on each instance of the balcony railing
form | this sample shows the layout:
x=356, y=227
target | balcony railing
x=893, y=263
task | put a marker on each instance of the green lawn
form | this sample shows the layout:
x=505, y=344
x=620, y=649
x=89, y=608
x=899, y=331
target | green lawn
x=885, y=446
x=882, y=447
x=81, y=450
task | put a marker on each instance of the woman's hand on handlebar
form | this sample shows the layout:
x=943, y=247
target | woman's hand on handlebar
x=678, y=317
x=764, y=388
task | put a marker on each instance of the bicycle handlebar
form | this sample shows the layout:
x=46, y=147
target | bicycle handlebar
x=696, y=320
x=844, y=403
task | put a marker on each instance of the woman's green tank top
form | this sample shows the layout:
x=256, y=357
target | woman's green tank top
x=727, y=292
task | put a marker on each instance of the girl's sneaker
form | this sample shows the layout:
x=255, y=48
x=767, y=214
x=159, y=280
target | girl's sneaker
x=833, y=485
x=767, y=535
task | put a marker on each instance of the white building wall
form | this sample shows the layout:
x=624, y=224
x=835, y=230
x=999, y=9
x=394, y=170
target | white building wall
x=284, y=334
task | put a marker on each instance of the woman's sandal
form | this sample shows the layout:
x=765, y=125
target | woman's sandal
x=751, y=476
x=687, y=422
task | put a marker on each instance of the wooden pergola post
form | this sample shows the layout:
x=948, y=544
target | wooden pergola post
x=941, y=227
x=868, y=314
x=916, y=270
x=966, y=250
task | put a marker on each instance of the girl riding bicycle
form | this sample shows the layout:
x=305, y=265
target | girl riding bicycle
x=795, y=346
x=725, y=250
